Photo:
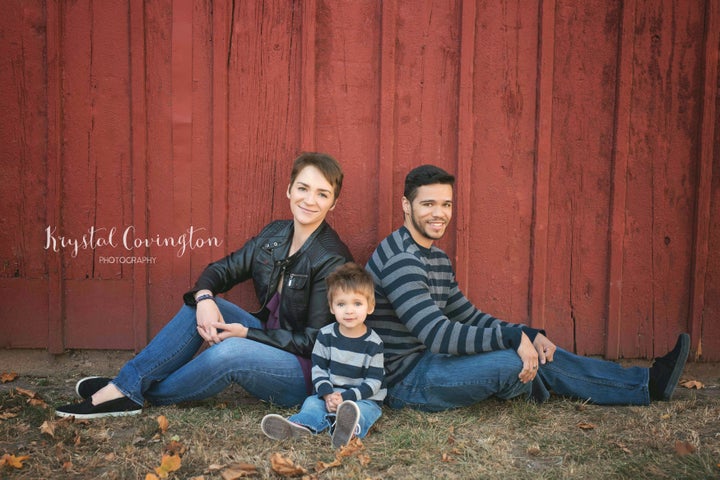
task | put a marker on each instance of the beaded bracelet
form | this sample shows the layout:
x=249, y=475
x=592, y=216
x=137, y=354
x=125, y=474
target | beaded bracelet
x=205, y=296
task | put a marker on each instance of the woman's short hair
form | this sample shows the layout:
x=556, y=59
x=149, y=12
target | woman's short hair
x=328, y=166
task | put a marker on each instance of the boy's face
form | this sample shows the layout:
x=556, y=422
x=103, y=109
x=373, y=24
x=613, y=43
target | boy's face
x=350, y=310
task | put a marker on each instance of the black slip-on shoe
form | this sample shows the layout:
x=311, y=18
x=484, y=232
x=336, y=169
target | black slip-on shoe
x=280, y=428
x=120, y=407
x=346, y=423
x=86, y=387
x=666, y=370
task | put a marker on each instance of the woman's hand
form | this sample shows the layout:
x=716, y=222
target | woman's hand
x=227, y=330
x=208, y=317
x=529, y=356
x=332, y=401
x=544, y=348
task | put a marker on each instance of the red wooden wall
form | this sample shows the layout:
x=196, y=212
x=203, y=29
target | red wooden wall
x=584, y=135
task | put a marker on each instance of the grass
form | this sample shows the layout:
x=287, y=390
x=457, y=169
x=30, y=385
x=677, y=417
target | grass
x=495, y=439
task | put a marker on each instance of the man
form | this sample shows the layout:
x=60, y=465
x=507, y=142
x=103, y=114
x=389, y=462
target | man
x=442, y=352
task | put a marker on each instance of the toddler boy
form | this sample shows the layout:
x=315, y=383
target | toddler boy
x=347, y=372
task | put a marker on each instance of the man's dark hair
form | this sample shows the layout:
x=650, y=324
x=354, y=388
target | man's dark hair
x=425, y=175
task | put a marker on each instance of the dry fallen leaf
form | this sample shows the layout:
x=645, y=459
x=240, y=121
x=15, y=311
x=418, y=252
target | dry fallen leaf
x=6, y=415
x=684, y=448
x=693, y=384
x=48, y=427
x=163, y=423
x=364, y=459
x=351, y=448
x=8, y=377
x=285, y=467
x=585, y=426
x=170, y=463
x=151, y=476
x=175, y=448
x=33, y=398
x=321, y=466
x=13, y=461
x=533, y=450
x=238, y=470
x=622, y=447
x=447, y=458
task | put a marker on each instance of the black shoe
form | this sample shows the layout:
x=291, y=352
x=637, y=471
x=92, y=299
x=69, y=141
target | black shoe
x=120, y=407
x=665, y=371
x=86, y=387
x=346, y=423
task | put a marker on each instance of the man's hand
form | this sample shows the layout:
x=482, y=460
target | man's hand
x=545, y=348
x=529, y=356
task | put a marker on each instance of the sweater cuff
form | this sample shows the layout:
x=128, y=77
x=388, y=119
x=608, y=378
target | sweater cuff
x=324, y=389
x=532, y=332
x=511, y=337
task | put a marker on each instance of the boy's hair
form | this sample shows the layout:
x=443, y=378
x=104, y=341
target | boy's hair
x=351, y=277
x=425, y=175
x=328, y=166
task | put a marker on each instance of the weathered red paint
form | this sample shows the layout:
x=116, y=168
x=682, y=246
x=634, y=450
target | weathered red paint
x=584, y=138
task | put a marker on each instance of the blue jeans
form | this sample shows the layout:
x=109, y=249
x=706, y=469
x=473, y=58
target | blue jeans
x=167, y=370
x=440, y=382
x=315, y=416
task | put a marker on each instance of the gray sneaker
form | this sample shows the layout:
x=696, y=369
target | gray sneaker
x=346, y=423
x=280, y=428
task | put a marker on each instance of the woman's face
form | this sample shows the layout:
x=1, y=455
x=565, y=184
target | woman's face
x=311, y=197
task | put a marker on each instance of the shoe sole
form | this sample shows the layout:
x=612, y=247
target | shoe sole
x=679, y=366
x=90, y=416
x=280, y=428
x=345, y=423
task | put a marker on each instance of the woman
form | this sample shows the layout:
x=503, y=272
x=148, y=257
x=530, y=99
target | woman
x=267, y=352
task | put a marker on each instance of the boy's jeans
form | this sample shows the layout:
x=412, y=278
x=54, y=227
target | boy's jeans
x=315, y=416
x=167, y=371
x=440, y=382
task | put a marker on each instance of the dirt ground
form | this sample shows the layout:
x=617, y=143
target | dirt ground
x=64, y=370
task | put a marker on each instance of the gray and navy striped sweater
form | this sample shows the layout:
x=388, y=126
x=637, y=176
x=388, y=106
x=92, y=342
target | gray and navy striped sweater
x=419, y=306
x=352, y=364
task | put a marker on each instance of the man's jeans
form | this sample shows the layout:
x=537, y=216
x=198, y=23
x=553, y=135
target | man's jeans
x=167, y=371
x=315, y=416
x=440, y=382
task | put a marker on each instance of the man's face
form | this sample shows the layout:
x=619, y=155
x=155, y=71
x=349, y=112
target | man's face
x=428, y=215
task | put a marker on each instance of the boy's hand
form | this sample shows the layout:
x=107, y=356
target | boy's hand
x=332, y=401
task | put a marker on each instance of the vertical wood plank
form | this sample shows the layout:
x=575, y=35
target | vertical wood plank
x=387, y=202
x=222, y=23
x=708, y=125
x=54, y=177
x=308, y=82
x=619, y=180
x=346, y=126
x=466, y=141
x=580, y=173
x=543, y=149
x=501, y=181
x=138, y=129
x=164, y=281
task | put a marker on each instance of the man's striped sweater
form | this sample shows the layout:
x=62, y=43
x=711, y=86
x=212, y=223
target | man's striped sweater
x=419, y=306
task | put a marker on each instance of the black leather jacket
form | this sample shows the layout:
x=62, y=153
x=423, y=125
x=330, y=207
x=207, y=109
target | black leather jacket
x=303, y=303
